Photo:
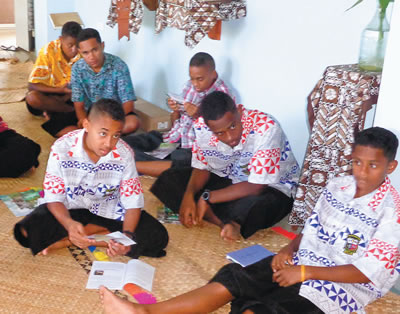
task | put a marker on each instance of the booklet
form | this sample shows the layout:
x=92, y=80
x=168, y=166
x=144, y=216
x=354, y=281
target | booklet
x=249, y=255
x=178, y=99
x=117, y=236
x=163, y=150
x=23, y=203
x=114, y=275
x=167, y=216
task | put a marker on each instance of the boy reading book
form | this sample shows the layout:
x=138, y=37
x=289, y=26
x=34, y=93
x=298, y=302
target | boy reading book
x=203, y=80
x=91, y=186
x=346, y=257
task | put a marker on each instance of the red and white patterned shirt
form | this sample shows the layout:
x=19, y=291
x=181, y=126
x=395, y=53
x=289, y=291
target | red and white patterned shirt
x=364, y=232
x=183, y=127
x=106, y=188
x=263, y=155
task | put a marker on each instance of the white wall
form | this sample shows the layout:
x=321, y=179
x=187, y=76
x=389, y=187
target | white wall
x=272, y=58
x=44, y=31
x=387, y=111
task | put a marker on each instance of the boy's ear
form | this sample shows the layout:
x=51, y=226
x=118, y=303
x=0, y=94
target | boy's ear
x=392, y=166
x=85, y=124
x=102, y=46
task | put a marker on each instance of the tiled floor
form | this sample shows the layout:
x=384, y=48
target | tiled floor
x=8, y=40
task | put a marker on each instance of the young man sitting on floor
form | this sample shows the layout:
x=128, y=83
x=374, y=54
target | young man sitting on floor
x=18, y=154
x=101, y=75
x=346, y=257
x=49, y=90
x=91, y=186
x=244, y=172
x=204, y=79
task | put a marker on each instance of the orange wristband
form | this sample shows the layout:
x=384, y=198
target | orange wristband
x=303, y=272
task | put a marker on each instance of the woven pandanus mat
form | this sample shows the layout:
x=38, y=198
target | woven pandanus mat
x=14, y=80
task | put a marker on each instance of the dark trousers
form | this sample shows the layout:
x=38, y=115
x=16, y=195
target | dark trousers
x=18, y=154
x=253, y=289
x=252, y=212
x=43, y=229
x=57, y=121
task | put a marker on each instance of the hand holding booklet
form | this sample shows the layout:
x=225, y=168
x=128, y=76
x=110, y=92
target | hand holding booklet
x=249, y=255
x=117, y=236
x=115, y=275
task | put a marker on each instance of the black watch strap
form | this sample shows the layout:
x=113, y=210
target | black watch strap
x=130, y=234
x=206, y=195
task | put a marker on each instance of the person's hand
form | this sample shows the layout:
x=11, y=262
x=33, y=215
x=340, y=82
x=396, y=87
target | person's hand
x=283, y=259
x=202, y=207
x=187, y=211
x=173, y=104
x=66, y=89
x=77, y=235
x=114, y=249
x=287, y=276
x=192, y=110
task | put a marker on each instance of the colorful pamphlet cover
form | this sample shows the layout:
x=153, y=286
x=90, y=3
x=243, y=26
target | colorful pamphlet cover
x=167, y=216
x=23, y=203
x=249, y=255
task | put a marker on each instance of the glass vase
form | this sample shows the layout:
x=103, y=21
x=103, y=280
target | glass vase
x=373, y=42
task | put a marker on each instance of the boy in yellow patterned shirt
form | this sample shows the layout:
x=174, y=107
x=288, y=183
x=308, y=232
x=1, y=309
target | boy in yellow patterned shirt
x=49, y=91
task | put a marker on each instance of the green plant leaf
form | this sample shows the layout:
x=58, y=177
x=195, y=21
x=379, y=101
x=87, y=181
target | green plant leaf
x=357, y=3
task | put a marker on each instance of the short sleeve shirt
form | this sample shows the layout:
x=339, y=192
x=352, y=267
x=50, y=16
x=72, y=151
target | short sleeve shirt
x=113, y=81
x=364, y=232
x=263, y=155
x=51, y=68
x=106, y=188
x=183, y=127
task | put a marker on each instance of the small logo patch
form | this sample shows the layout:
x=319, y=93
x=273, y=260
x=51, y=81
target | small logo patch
x=351, y=246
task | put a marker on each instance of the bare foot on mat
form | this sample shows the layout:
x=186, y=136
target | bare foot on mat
x=231, y=231
x=113, y=304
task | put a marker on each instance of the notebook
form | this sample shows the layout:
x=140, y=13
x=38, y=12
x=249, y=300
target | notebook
x=249, y=255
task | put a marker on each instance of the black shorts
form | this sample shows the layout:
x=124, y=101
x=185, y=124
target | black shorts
x=57, y=121
x=43, y=229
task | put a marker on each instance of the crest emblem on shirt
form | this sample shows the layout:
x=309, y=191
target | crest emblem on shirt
x=351, y=245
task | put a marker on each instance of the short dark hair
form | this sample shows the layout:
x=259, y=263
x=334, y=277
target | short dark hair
x=202, y=59
x=378, y=137
x=110, y=107
x=71, y=29
x=88, y=33
x=215, y=105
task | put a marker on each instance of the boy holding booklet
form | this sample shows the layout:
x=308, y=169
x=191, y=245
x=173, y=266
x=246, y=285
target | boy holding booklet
x=346, y=257
x=91, y=186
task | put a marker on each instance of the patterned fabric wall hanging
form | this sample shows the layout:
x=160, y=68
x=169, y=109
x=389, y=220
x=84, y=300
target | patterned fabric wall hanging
x=197, y=17
x=336, y=108
x=128, y=14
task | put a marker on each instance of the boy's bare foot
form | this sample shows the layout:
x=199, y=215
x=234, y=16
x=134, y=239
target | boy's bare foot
x=46, y=116
x=57, y=245
x=113, y=304
x=231, y=231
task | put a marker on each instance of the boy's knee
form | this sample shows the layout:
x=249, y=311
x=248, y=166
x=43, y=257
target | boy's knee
x=32, y=98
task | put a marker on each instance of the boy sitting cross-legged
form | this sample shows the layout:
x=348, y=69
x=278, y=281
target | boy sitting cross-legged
x=204, y=80
x=91, y=186
x=346, y=257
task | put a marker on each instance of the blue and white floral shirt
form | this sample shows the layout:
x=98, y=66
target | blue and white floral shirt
x=113, y=81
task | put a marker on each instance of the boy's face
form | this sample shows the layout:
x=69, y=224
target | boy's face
x=68, y=46
x=102, y=134
x=92, y=52
x=202, y=77
x=370, y=167
x=228, y=129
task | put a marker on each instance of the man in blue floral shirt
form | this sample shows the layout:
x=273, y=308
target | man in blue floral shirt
x=101, y=75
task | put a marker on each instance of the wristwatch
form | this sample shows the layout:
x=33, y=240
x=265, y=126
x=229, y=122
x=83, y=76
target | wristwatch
x=206, y=195
x=130, y=234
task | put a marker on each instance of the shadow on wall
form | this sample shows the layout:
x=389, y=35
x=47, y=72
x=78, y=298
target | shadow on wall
x=226, y=76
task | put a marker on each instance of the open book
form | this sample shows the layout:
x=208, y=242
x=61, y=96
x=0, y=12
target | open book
x=115, y=275
x=249, y=255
